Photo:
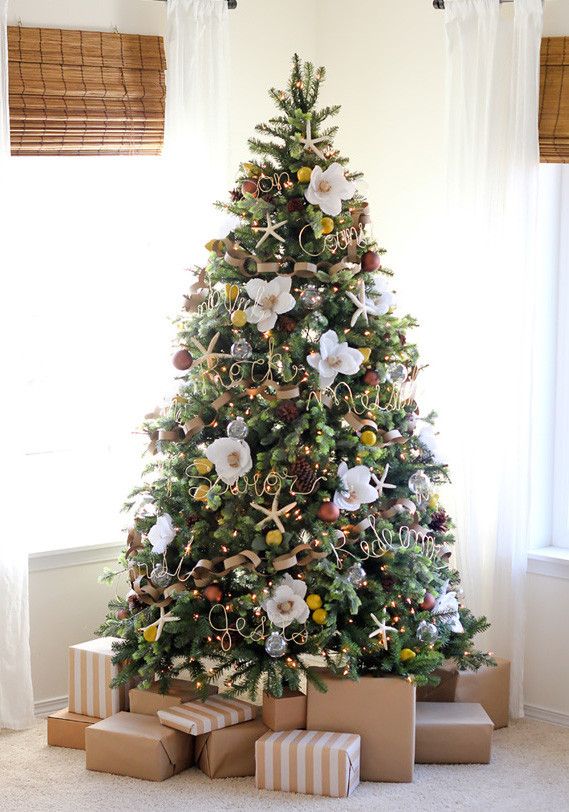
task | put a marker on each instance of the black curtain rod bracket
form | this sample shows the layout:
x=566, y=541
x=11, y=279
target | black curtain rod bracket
x=440, y=4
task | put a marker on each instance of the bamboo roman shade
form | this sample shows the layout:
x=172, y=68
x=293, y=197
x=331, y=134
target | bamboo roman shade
x=554, y=100
x=85, y=92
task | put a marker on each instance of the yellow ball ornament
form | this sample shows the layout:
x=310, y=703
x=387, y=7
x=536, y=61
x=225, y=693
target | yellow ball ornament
x=274, y=538
x=239, y=318
x=314, y=601
x=366, y=352
x=201, y=493
x=434, y=500
x=231, y=292
x=368, y=438
x=252, y=169
x=304, y=174
x=407, y=654
x=327, y=225
x=149, y=634
x=215, y=245
x=319, y=616
x=203, y=466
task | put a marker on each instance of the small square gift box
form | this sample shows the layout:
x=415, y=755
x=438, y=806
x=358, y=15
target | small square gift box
x=90, y=673
x=216, y=712
x=65, y=729
x=229, y=752
x=452, y=733
x=286, y=712
x=309, y=761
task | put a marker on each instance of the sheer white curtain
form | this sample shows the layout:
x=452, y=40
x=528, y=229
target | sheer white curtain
x=16, y=697
x=493, y=161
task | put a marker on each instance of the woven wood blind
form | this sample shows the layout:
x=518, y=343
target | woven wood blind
x=85, y=92
x=554, y=100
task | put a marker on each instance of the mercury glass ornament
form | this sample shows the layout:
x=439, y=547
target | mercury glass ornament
x=420, y=484
x=356, y=575
x=241, y=350
x=160, y=577
x=427, y=632
x=275, y=645
x=311, y=298
x=238, y=429
x=396, y=373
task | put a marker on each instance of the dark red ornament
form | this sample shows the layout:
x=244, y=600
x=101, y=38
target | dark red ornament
x=182, y=360
x=428, y=602
x=370, y=261
x=328, y=512
x=371, y=377
x=213, y=593
x=294, y=204
x=249, y=186
x=122, y=614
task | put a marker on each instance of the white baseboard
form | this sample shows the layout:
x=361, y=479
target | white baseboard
x=46, y=706
x=546, y=715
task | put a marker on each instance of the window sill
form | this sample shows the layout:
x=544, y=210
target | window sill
x=74, y=556
x=551, y=561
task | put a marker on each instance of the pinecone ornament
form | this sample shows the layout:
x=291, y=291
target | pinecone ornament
x=236, y=195
x=295, y=204
x=303, y=474
x=286, y=324
x=191, y=519
x=387, y=581
x=439, y=521
x=287, y=411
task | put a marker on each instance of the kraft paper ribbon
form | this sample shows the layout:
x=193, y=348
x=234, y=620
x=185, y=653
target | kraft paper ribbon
x=292, y=559
x=237, y=258
x=153, y=596
x=205, y=570
x=401, y=505
x=196, y=295
x=134, y=541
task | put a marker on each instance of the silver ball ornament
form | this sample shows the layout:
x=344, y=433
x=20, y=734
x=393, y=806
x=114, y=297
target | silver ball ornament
x=356, y=575
x=241, y=350
x=396, y=373
x=275, y=645
x=311, y=298
x=427, y=632
x=420, y=484
x=238, y=429
x=160, y=577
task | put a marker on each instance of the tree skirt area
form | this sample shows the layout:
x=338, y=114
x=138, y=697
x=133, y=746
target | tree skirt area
x=529, y=770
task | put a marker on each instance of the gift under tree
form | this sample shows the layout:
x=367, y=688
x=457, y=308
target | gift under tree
x=290, y=506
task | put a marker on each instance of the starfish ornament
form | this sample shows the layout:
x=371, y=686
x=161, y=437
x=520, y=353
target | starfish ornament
x=165, y=617
x=273, y=513
x=270, y=230
x=208, y=356
x=364, y=308
x=310, y=142
x=381, y=629
x=381, y=483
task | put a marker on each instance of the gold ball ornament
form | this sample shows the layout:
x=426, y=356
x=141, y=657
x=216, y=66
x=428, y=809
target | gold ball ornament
x=304, y=174
x=327, y=225
x=368, y=437
x=434, y=500
x=149, y=634
x=201, y=493
x=407, y=654
x=366, y=352
x=252, y=169
x=231, y=292
x=274, y=538
x=215, y=245
x=203, y=466
x=239, y=318
x=313, y=601
x=319, y=616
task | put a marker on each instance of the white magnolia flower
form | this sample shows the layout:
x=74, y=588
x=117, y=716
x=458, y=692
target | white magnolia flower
x=328, y=188
x=334, y=358
x=287, y=603
x=356, y=489
x=428, y=437
x=382, y=298
x=447, y=604
x=270, y=300
x=162, y=534
x=231, y=457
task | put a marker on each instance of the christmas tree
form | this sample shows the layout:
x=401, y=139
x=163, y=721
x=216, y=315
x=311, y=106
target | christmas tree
x=289, y=509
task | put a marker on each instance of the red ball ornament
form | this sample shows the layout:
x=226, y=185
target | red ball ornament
x=428, y=602
x=182, y=360
x=122, y=614
x=370, y=261
x=213, y=593
x=328, y=512
x=371, y=377
x=249, y=186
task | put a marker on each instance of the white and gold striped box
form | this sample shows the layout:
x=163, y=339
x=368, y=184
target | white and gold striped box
x=309, y=761
x=203, y=717
x=90, y=674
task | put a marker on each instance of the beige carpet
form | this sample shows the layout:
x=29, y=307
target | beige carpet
x=529, y=771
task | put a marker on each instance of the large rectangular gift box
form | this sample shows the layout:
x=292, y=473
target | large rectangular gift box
x=90, y=673
x=380, y=709
x=202, y=717
x=65, y=729
x=490, y=687
x=452, y=733
x=229, y=752
x=309, y=761
x=138, y=746
x=149, y=700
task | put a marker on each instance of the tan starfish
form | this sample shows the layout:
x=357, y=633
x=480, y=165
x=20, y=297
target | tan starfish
x=273, y=513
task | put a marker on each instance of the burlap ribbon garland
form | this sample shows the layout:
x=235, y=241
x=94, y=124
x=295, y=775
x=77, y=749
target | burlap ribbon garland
x=291, y=559
x=238, y=258
x=196, y=295
x=134, y=542
x=359, y=424
x=155, y=596
x=401, y=505
x=205, y=570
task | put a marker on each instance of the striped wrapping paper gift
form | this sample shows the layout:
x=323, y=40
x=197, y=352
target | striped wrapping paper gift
x=309, y=761
x=203, y=717
x=90, y=673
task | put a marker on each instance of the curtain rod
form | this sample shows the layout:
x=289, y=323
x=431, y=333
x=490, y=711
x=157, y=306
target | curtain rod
x=231, y=4
x=441, y=3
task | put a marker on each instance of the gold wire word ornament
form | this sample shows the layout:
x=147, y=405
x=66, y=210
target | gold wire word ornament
x=338, y=241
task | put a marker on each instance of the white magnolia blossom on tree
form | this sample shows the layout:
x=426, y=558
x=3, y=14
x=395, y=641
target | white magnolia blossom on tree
x=287, y=603
x=334, y=358
x=162, y=534
x=328, y=188
x=381, y=296
x=356, y=489
x=231, y=457
x=428, y=437
x=270, y=300
x=447, y=605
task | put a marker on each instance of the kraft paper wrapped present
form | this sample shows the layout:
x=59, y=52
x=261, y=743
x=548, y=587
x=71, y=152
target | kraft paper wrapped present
x=490, y=687
x=138, y=746
x=230, y=751
x=90, y=673
x=202, y=717
x=445, y=691
x=380, y=709
x=452, y=733
x=287, y=712
x=66, y=729
x=309, y=761
x=149, y=700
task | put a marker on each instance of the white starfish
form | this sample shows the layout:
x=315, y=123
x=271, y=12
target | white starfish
x=273, y=513
x=209, y=355
x=382, y=629
x=364, y=305
x=310, y=142
x=165, y=617
x=381, y=483
x=270, y=230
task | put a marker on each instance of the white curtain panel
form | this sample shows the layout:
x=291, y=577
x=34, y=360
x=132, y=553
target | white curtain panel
x=492, y=162
x=4, y=110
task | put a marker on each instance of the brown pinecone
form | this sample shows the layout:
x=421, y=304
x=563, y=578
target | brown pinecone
x=439, y=521
x=387, y=581
x=135, y=604
x=267, y=198
x=287, y=411
x=303, y=474
x=402, y=338
x=286, y=324
x=294, y=204
x=236, y=195
x=192, y=519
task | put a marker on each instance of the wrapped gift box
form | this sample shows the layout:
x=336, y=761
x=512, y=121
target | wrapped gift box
x=287, y=712
x=445, y=691
x=90, y=674
x=139, y=746
x=149, y=700
x=309, y=761
x=202, y=717
x=66, y=729
x=452, y=733
x=490, y=687
x=380, y=709
x=230, y=751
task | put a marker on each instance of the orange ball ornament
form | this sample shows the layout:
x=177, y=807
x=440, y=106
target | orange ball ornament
x=304, y=174
x=327, y=225
x=313, y=601
x=213, y=593
x=328, y=512
x=368, y=437
x=319, y=616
